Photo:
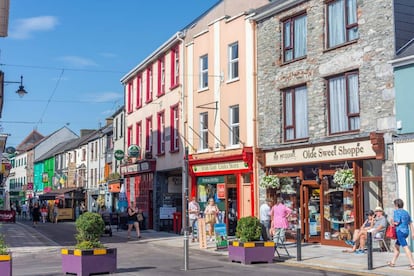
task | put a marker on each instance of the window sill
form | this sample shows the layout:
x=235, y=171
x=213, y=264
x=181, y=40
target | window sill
x=148, y=101
x=202, y=151
x=202, y=89
x=293, y=61
x=301, y=140
x=343, y=133
x=160, y=154
x=340, y=45
x=236, y=146
x=174, y=151
x=174, y=86
x=232, y=80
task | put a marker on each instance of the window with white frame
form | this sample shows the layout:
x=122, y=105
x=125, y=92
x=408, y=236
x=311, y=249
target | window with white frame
x=233, y=53
x=234, y=125
x=204, y=131
x=296, y=113
x=343, y=103
x=203, y=72
x=294, y=38
x=342, y=22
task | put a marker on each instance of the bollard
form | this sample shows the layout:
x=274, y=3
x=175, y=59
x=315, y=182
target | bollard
x=298, y=245
x=369, y=245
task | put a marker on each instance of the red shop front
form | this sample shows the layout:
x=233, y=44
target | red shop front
x=138, y=181
x=226, y=179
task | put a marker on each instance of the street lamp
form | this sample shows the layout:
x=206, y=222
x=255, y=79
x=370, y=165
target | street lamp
x=21, y=91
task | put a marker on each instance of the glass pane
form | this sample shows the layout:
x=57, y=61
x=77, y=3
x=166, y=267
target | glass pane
x=352, y=11
x=288, y=55
x=338, y=212
x=336, y=23
x=288, y=108
x=300, y=36
x=301, y=112
x=234, y=51
x=372, y=168
x=353, y=33
x=337, y=105
x=287, y=34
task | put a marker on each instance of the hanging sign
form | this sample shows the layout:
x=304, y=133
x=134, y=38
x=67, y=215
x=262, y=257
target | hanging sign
x=134, y=151
x=119, y=155
x=221, y=190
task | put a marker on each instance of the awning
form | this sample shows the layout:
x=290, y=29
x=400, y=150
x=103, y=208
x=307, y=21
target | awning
x=60, y=193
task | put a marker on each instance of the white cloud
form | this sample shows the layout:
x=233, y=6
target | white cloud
x=103, y=97
x=24, y=28
x=77, y=61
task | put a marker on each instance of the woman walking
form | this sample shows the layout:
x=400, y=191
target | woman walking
x=36, y=214
x=403, y=223
x=133, y=220
x=211, y=212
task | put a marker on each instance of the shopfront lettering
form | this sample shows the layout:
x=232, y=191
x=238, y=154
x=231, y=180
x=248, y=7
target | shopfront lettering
x=355, y=150
x=220, y=166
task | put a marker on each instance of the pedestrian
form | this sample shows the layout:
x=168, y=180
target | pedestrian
x=82, y=208
x=193, y=213
x=31, y=210
x=133, y=220
x=265, y=218
x=55, y=213
x=24, y=210
x=36, y=214
x=279, y=216
x=402, y=221
x=211, y=212
x=43, y=211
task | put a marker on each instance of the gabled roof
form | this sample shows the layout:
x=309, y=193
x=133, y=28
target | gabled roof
x=55, y=150
x=30, y=141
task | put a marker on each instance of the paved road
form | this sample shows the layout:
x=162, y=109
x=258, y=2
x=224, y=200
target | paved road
x=36, y=251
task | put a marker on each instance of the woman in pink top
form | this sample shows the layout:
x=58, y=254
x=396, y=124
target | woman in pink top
x=279, y=215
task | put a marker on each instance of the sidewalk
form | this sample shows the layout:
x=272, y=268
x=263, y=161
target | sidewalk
x=313, y=255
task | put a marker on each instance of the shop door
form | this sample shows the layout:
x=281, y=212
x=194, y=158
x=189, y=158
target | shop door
x=312, y=214
x=231, y=211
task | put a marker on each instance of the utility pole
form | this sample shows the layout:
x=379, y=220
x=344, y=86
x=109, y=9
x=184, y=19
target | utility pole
x=185, y=208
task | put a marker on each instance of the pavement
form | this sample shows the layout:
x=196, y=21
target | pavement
x=313, y=255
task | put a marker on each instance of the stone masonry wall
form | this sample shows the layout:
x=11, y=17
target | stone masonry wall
x=369, y=55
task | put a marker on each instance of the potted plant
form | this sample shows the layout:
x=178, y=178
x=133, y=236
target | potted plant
x=270, y=182
x=5, y=258
x=89, y=255
x=344, y=178
x=248, y=248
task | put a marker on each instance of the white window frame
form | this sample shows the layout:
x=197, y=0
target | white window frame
x=203, y=81
x=233, y=61
x=234, y=124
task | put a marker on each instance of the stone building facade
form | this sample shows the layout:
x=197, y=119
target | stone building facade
x=299, y=51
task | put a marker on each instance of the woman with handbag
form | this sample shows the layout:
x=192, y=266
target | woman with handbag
x=211, y=212
x=403, y=223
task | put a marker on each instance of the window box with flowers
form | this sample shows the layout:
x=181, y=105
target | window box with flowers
x=344, y=178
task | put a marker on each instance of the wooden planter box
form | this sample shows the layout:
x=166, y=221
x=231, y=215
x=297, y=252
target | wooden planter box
x=250, y=252
x=86, y=262
x=5, y=265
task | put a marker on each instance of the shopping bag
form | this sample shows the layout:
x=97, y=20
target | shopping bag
x=391, y=233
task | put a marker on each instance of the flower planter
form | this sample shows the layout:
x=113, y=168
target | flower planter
x=86, y=262
x=251, y=252
x=5, y=265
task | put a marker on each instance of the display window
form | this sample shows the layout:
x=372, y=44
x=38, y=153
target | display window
x=338, y=210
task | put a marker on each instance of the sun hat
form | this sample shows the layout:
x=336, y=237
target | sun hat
x=378, y=209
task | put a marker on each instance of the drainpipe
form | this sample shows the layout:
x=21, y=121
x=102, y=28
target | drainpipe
x=180, y=37
x=408, y=192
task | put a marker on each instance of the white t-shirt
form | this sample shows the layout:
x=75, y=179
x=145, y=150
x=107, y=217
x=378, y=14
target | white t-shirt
x=265, y=212
x=193, y=206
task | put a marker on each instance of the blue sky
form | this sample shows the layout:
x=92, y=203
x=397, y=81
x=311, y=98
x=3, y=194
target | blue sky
x=72, y=55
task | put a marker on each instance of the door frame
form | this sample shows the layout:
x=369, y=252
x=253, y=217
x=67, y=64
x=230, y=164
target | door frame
x=306, y=185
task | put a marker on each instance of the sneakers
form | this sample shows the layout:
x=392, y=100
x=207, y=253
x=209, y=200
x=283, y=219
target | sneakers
x=350, y=242
x=359, y=252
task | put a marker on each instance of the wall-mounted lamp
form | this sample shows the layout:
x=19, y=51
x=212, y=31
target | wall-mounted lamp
x=21, y=91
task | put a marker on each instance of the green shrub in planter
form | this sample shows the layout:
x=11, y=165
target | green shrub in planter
x=248, y=229
x=89, y=226
x=3, y=246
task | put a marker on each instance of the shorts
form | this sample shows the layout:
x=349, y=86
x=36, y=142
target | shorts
x=401, y=239
x=132, y=222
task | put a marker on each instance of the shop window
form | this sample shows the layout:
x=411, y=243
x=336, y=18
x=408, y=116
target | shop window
x=338, y=211
x=372, y=168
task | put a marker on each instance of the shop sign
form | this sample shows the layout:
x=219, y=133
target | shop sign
x=45, y=177
x=352, y=151
x=119, y=154
x=135, y=168
x=30, y=186
x=226, y=166
x=134, y=151
x=210, y=179
x=221, y=190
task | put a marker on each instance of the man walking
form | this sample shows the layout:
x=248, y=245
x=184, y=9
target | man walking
x=193, y=212
x=265, y=218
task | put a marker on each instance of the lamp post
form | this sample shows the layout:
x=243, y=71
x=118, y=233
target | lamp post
x=21, y=91
x=298, y=227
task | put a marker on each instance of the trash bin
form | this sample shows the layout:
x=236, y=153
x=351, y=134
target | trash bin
x=177, y=222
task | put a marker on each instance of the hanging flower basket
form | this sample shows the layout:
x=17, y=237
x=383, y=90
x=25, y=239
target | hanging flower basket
x=270, y=182
x=344, y=178
x=285, y=184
